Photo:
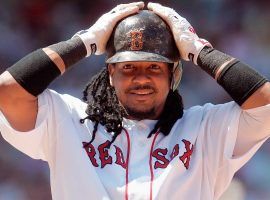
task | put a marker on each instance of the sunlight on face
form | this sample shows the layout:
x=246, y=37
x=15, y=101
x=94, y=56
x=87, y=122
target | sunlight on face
x=141, y=87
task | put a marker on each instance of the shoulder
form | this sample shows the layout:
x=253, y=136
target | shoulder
x=197, y=116
x=199, y=120
x=59, y=103
x=210, y=109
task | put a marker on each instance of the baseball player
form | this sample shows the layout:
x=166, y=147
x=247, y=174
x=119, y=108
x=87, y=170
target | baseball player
x=131, y=137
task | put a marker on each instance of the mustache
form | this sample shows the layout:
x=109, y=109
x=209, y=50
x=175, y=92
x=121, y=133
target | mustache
x=141, y=87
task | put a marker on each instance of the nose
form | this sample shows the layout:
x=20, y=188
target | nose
x=141, y=77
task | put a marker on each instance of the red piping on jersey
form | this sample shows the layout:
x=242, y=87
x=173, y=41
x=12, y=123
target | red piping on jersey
x=127, y=161
x=150, y=165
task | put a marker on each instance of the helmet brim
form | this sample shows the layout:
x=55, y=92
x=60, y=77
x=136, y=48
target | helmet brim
x=132, y=56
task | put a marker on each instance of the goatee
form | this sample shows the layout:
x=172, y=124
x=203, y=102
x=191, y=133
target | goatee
x=140, y=115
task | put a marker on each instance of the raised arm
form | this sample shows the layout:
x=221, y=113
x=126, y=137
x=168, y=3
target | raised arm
x=246, y=86
x=25, y=80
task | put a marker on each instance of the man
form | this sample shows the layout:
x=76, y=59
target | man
x=132, y=139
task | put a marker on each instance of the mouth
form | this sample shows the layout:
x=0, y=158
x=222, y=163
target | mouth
x=142, y=92
x=141, y=96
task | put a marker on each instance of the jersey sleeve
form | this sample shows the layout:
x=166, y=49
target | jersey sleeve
x=232, y=137
x=53, y=108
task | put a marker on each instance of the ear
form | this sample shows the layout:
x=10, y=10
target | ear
x=111, y=69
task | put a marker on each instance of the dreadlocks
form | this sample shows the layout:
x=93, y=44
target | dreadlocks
x=104, y=108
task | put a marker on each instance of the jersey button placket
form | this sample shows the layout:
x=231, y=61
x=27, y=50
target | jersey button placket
x=142, y=135
x=139, y=158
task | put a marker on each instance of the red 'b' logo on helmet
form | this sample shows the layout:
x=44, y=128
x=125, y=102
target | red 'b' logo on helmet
x=136, y=40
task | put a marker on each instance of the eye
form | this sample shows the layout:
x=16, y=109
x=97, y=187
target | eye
x=155, y=67
x=128, y=67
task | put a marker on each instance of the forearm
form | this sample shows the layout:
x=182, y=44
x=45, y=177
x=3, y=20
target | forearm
x=30, y=76
x=245, y=85
x=38, y=69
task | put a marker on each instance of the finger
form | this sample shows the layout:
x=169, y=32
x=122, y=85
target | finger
x=154, y=6
x=125, y=12
x=167, y=14
x=140, y=4
x=119, y=9
x=159, y=10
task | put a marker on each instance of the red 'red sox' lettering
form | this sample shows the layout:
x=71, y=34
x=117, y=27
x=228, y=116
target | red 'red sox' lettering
x=185, y=158
x=120, y=160
x=175, y=151
x=162, y=161
x=162, y=156
x=104, y=156
x=91, y=152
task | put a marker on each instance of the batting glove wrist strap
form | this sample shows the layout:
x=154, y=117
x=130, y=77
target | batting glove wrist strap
x=193, y=49
x=88, y=40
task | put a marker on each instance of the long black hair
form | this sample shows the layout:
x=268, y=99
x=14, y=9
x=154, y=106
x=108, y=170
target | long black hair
x=104, y=108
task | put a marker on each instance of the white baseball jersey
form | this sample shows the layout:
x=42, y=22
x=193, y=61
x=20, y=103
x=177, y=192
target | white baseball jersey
x=197, y=160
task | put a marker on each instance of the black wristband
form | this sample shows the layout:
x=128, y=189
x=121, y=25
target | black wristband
x=240, y=81
x=71, y=51
x=34, y=72
x=211, y=59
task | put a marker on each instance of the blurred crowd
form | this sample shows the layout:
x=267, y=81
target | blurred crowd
x=240, y=28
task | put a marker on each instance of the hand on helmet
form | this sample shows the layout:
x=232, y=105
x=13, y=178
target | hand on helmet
x=187, y=41
x=95, y=38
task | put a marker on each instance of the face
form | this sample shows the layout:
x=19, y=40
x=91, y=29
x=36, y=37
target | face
x=141, y=87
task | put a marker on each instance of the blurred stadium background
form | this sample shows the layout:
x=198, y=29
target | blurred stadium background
x=240, y=28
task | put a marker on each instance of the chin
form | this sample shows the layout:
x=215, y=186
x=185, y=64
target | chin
x=140, y=114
